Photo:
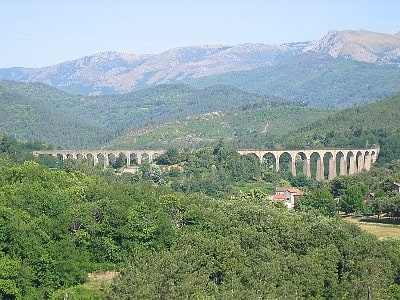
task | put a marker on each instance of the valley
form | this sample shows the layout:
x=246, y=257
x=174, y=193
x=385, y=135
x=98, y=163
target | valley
x=252, y=171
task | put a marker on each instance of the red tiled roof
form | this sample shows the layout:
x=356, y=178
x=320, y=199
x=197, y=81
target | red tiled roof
x=278, y=197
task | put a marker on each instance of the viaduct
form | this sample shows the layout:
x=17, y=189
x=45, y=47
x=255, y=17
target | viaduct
x=325, y=163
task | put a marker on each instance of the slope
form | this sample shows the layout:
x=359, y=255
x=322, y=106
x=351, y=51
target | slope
x=359, y=126
x=35, y=112
x=318, y=79
x=250, y=128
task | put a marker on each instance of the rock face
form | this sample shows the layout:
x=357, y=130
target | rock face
x=112, y=72
x=359, y=45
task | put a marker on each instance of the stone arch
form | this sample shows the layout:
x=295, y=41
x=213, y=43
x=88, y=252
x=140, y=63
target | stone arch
x=374, y=156
x=286, y=162
x=329, y=161
x=367, y=160
x=144, y=157
x=351, y=163
x=90, y=158
x=154, y=155
x=359, y=161
x=341, y=163
x=316, y=165
x=80, y=157
x=133, y=158
x=102, y=159
x=269, y=160
x=120, y=159
x=302, y=164
x=59, y=157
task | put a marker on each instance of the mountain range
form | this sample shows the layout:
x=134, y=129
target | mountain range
x=112, y=72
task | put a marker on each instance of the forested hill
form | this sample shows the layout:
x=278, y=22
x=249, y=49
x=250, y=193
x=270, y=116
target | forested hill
x=39, y=112
x=36, y=112
x=316, y=78
x=359, y=126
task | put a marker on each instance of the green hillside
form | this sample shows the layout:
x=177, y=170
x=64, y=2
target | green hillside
x=243, y=129
x=318, y=79
x=36, y=111
x=359, y=126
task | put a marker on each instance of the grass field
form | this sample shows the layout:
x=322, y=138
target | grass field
x=382, y=231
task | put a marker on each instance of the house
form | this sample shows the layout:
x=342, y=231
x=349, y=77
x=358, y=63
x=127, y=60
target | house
x=286, y=195
x=370, y=198
x=396, y=187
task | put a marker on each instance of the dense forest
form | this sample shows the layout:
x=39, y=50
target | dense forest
x=292, y=127
x=359, y=126
x=33, y=111
x=197, y=229
x=319, y=79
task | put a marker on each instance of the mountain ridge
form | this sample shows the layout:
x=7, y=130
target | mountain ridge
x=115, y=72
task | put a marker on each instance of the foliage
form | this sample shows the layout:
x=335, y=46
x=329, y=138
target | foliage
x=251, y=128
x=319, y=199
x=33, y=111
x=250, y=249
x=357, y=127
x=352, y=200
x=58, y=225
x=317, y=79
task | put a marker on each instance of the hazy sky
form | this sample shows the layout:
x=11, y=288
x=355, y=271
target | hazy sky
x=37, y=33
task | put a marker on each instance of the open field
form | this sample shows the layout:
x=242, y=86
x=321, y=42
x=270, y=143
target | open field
x=382, y=231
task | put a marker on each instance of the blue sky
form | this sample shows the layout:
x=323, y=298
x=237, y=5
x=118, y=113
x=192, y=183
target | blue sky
x=36, y=33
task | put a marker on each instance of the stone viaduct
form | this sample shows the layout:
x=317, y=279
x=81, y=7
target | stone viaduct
x=324, y=163
x=336, y=161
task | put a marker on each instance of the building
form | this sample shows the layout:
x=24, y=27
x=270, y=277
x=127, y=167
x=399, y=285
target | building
x=396, y=187
x=288, y=196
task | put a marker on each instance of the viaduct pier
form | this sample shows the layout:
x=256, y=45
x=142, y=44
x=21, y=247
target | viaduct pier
x=317, y=163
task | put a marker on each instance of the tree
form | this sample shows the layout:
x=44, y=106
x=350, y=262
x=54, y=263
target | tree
x=320, y=199
x=352, y=201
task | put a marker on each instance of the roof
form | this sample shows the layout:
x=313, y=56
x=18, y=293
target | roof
x=278, y=197
x=295, y=191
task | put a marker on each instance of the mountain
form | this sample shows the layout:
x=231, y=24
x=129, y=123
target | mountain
x=35, y=111
x=361, y=45
x=315, y=78
x=112, y=72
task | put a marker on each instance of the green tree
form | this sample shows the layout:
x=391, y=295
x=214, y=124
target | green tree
x=320, y=199
x=352, y=201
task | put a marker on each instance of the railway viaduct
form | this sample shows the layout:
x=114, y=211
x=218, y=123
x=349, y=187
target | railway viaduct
x=326, y=163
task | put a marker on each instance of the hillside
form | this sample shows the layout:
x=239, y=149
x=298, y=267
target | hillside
x=37, y=111
x=254, y=128
x=317, y=79
x=375, y=123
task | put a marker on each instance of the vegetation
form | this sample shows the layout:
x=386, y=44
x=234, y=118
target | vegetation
x=360, y=126
x=250, y=128
x=57, y=226
x=197, y=231
x=196, y=225
x=318, y=79
x=38, y=112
